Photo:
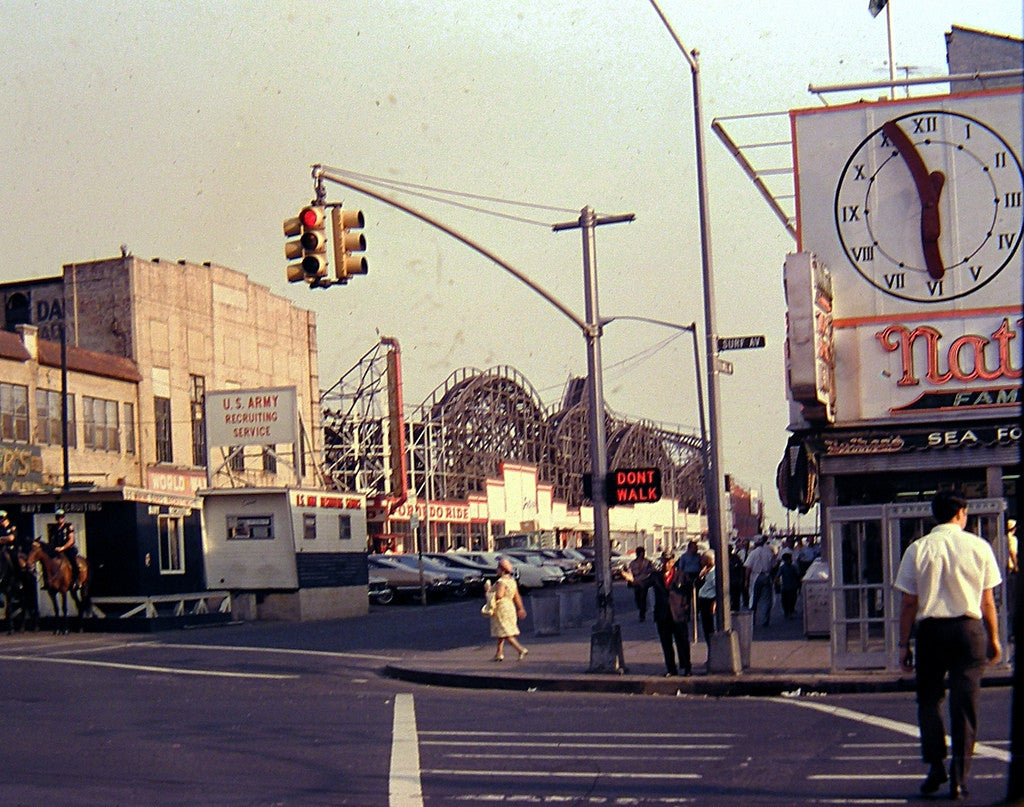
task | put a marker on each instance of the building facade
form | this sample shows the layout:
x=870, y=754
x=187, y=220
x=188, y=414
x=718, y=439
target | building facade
x=144, y=342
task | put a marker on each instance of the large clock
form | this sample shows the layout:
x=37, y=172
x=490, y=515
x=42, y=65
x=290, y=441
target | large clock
x=928, y=207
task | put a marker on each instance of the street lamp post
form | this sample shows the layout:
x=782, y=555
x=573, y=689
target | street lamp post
x=728, y=661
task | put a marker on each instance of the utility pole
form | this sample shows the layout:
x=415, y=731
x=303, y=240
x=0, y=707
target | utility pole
x=606, y=639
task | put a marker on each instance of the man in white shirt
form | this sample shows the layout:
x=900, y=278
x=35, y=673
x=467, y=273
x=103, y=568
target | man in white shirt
x=760, y=566
x=947, y=579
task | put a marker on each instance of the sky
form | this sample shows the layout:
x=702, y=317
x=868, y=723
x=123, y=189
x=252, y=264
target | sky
x=187, y=130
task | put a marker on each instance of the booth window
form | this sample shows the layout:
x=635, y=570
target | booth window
x=250, y=528
x=172, y=544
x=309, y=526
x=345, y=528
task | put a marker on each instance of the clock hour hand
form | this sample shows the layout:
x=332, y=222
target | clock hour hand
x=929, y=188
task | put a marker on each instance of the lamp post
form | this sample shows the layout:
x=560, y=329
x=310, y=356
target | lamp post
x=728, y=661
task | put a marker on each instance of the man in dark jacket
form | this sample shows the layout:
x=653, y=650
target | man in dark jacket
x=673, y=593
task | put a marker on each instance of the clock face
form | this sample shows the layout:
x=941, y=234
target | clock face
x=928, y=207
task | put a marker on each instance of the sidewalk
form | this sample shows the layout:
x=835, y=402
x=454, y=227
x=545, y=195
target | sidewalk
x=782, y=660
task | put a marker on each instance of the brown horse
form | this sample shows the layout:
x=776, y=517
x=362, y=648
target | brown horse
x=57, y=580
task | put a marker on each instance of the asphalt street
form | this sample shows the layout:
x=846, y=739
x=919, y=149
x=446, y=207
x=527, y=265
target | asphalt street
x=301, y=714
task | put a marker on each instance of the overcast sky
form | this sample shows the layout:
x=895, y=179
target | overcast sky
x=186, y=130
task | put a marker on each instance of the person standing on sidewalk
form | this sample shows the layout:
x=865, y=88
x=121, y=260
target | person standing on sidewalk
x=640, y=571
x=947, y=579
x=760, y=567
x=706, y=585
x=672, y=595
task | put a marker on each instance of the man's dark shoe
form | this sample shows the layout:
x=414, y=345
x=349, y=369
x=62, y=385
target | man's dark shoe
x=936, y=778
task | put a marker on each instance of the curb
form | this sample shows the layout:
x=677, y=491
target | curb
x=744, y=685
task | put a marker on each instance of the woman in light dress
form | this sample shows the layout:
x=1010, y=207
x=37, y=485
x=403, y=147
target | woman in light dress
x=506, y=612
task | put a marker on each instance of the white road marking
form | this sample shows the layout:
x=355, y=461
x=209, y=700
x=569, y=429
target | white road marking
x=909, y=729
x=506, y=772
x=282, y=650
x=146, y=668
x=404, y=789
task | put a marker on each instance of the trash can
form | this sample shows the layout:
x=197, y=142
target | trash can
x=743, y=627
x=816, y=592
x=570, y=608
x=546, y=618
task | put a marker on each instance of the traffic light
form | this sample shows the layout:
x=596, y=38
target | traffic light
x=309, y=249
x=346, y=242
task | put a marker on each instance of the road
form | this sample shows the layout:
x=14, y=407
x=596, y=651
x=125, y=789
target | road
x=285, y=714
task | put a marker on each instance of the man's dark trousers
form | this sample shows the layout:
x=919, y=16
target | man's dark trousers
x=956, y=646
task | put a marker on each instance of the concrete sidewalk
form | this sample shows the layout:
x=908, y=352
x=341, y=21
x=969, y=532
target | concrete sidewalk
x=782, y=660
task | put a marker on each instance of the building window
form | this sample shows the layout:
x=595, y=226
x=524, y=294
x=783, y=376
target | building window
x=269, y=459
x=345, y=528
x=100, y=425
x=309, y=526
x=162, y=417
x=197, y=398
x=250, y=528
x=48, y=420
x=172, y=544
x=14, y=413
x=236, y=459
x=129, y=428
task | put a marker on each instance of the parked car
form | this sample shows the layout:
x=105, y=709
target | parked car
x=464, y=581
x=378, y=590
x=403, y=580
x=616, y=561
x=537, y=557
x=529, y=575
x=575, y=565
x=459, y=560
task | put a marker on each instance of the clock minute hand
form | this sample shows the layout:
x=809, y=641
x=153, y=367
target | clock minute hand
x=929, y=188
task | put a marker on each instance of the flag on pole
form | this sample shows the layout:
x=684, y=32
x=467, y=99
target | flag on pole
x=876, y=6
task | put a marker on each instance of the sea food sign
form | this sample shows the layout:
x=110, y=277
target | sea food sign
x=246, y=417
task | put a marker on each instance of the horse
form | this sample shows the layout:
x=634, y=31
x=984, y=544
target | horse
x=18, y=587
x=57, y=580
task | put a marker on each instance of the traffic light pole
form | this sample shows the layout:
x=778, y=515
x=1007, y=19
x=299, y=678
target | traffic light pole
x=606, y=641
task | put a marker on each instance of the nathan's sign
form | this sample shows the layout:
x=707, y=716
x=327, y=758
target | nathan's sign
x=906, y=366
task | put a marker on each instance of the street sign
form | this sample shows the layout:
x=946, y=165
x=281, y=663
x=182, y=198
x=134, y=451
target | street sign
x=740, y=342
x=724, y=367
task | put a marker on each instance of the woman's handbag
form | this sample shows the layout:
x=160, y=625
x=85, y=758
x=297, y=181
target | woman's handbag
x=487, y=609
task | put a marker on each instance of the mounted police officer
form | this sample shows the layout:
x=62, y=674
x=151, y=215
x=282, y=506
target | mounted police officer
x=63, y=543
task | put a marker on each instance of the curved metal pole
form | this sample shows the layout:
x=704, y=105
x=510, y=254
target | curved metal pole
x=320, y=172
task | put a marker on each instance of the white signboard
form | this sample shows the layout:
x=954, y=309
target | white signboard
x=916, y=206
x=245, y=417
